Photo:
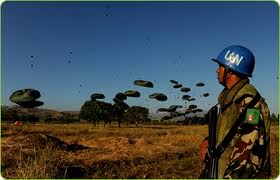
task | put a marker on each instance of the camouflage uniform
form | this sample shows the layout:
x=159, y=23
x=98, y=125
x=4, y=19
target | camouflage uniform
x=249, y=151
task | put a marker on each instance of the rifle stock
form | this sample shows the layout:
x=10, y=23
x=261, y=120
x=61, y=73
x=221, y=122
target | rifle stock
x=211, y=159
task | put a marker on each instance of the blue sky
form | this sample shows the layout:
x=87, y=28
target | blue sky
x=70, y=50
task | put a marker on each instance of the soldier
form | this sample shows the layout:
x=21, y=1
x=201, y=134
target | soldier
x=248, y=153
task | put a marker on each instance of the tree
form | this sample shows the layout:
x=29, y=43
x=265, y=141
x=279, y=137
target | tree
x=85, y=111
x=94, y=111
x=136, y=114
x=118, y=113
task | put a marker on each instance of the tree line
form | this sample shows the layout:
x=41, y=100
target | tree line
x=96, y=111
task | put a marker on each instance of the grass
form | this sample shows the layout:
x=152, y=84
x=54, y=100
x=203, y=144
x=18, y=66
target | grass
x=150, y=151
x=33, y=163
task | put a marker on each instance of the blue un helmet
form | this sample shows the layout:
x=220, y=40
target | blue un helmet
x=238, y=59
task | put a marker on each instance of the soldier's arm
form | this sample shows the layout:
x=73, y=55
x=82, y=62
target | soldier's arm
x=240, y=164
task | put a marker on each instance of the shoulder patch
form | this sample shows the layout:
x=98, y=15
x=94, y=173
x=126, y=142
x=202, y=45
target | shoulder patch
x=252, y=116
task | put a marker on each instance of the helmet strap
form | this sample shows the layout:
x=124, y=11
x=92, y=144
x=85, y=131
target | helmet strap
x=225, y=76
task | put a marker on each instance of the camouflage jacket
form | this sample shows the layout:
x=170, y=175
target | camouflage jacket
x=248, y=152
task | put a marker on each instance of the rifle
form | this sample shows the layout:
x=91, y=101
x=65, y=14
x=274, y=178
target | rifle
x=211, y=168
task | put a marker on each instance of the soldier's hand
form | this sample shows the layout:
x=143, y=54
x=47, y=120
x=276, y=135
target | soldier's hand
x=203, y=150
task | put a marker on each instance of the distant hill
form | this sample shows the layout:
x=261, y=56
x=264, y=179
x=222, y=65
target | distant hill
x=72, y=112
x=38, y=112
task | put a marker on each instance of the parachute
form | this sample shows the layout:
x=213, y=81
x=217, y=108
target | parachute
x=69, y=60
x=148, y=38
x=26, y=98
x=120, y=103
x=192, y=106
x=173, y=108
x=197, y=110
x=107, y=10
x=200, y=84
x=185, y=89
x=143, y=83
x=186, y=97
x=97, y=96
x=158, y=96
x=179, y=106
x=131, y=93
x=24, y=95
x=120, y=96
x=205, y=94
x=173, y=81
x=163, y=110
x=177, y=86
x=32, y=63
x=30, y=104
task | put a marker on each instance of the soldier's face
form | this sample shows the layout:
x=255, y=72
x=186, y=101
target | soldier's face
x=220, y=74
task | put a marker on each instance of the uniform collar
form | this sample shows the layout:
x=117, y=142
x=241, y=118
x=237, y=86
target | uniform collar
x=227, y=95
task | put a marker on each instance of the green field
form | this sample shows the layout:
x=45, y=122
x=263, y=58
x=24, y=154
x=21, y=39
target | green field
x=80, y=150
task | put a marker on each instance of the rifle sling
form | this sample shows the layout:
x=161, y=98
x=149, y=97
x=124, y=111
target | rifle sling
x=232, y=132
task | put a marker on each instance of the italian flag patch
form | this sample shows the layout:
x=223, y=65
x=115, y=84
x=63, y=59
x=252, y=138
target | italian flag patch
x=252, y=116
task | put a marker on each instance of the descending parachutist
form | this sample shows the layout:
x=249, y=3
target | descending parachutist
x=107, y=9
x=148, y=38
x=32, y=64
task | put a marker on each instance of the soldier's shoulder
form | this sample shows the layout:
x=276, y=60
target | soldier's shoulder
x=246, y=92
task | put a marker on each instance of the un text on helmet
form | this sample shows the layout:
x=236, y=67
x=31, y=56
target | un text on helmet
x=233, y=57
